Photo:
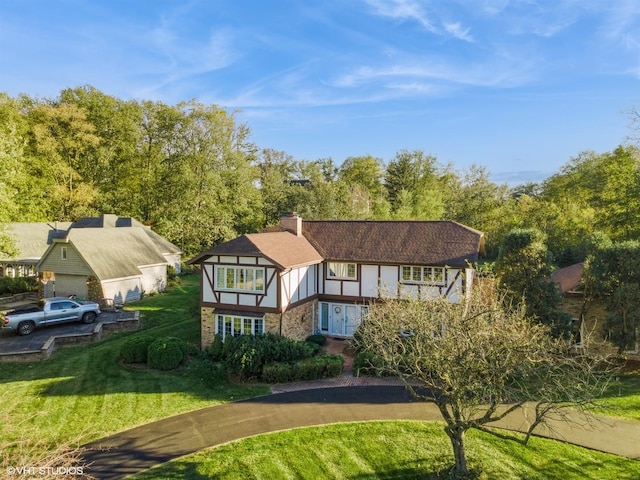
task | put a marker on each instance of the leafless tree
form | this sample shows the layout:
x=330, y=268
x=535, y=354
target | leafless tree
x=479, y=361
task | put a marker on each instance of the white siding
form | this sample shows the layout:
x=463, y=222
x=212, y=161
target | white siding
x=369, y=280
x=351, y=289
x=298, y=284
x=123, y=290
x=154, y=278
x=389, y=280
x=332, y=287
x=175, y=260
x=207, y=291
x=228, y=297
x=248, y=300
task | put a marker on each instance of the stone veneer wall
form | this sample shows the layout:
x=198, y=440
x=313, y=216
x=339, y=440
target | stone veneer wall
x=296, y=322
x=207, y=327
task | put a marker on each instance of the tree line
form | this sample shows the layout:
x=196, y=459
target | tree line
x=191, y=172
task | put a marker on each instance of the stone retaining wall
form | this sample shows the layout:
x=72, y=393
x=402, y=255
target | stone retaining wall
x=130, y=322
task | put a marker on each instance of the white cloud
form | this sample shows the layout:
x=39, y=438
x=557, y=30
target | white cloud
x=402, y=10
x=458, y=31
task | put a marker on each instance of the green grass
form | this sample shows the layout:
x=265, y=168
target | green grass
x=623, y=399
x=390, y=450
x=83, y=392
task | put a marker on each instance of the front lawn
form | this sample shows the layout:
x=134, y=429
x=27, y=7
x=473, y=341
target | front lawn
x=83, y=392
x=623, y=398
x=386, y=450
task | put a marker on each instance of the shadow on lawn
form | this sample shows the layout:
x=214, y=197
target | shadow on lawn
x=195, y=379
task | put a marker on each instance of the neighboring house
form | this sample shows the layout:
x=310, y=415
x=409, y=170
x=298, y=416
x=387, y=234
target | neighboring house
x=569, y=278
x=31, y=241
x=95, y=257
x=320, y=276
x=108, y=257
x=171, y=253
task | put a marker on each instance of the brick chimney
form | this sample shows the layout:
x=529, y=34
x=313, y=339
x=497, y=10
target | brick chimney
x=293, y=223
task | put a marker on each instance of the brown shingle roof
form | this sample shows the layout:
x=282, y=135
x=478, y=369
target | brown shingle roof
x=406, y=242
x=568, y=278
x=391, y=242
x=283, y=248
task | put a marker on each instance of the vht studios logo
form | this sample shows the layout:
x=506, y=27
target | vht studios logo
x=44, y=471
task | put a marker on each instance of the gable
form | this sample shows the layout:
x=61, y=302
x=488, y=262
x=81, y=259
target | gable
x=282, y=248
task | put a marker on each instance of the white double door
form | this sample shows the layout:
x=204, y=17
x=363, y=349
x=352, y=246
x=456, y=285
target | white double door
x=340, y=319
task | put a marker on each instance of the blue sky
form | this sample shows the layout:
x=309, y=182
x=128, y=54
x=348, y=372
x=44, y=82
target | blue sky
x=519, y=87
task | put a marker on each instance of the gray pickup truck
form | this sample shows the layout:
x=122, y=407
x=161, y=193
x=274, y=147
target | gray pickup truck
x=49, y=311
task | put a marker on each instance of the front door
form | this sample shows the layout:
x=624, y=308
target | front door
x=339, y=319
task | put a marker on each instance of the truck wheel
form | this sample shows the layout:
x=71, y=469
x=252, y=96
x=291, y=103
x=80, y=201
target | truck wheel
x=26, y=328
x=89, y=317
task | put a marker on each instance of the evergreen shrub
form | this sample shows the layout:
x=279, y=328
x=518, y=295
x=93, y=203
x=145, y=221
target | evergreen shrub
x=166, y=353
x=366, y=363
x=134, y=349
x=317, y=338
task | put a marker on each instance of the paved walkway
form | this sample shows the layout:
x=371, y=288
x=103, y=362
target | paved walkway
x=345, y=399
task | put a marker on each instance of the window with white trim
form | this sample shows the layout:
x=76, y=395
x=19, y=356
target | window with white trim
x=244, y=279
x=419, y=274
x=63, y=253
x=235, y=325
x=342, y=270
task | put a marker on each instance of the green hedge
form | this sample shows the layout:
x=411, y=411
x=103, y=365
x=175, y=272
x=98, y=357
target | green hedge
x=134, y=349
x=246, y=355
x=324, y=366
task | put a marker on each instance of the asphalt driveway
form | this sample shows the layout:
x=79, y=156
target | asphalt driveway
x=12, y=343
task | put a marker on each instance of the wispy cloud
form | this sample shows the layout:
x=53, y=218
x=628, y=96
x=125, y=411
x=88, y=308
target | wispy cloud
x=402, y=10
x=412, y=10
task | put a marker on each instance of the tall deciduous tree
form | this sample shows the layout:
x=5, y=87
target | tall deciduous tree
x=524, y=271
x=207, y=179
x=478, y=362
x=413, y=186
x=612, y=275
x=61, y=141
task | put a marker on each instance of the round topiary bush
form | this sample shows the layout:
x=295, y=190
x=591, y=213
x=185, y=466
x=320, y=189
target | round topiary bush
x=134, y=349
x=165, y=353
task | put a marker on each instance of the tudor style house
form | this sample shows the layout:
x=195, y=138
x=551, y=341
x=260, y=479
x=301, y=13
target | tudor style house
x=307, y=277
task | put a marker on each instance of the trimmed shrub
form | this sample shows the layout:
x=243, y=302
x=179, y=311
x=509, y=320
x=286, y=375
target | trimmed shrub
x=317, y=338
x=324, y=366
x=134, y=349
x=334, y=365
x=184, y=347
x=247, y=355
x=314, y=347
x=165, y=353
x=277, y=373
x=216, y=350
x=366, y=363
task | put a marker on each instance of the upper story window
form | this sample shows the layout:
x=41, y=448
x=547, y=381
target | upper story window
x=341, y=270
x=246, y=279
x=416, y=274
x=63, y=253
